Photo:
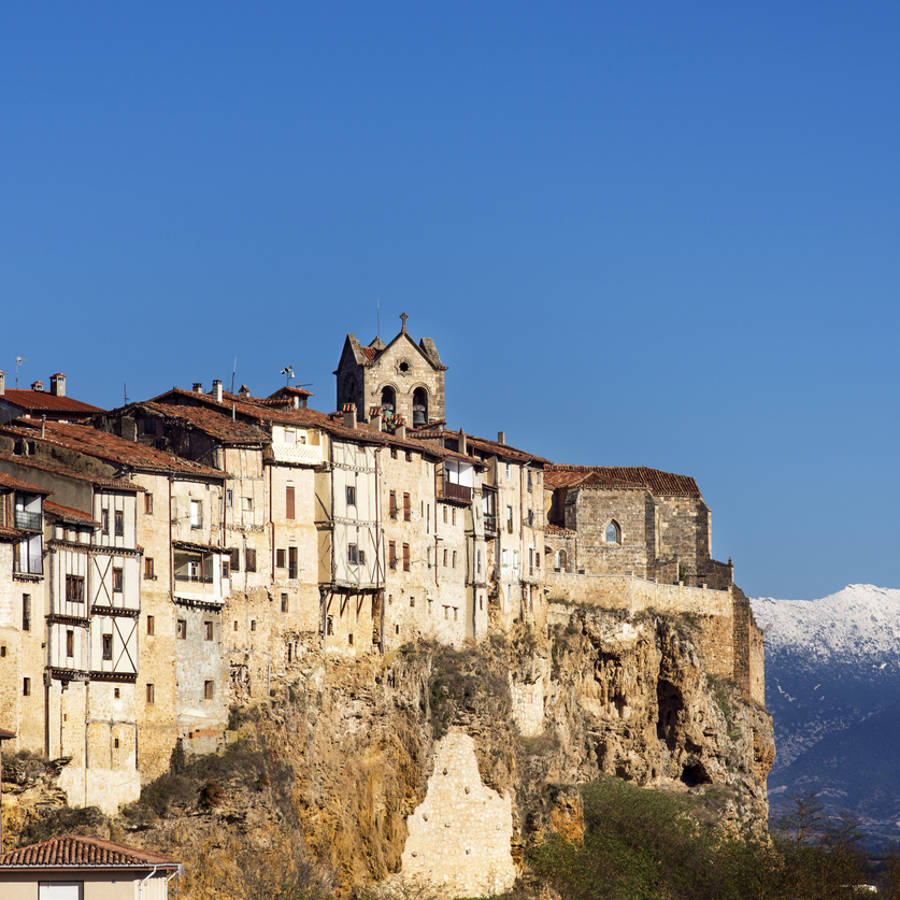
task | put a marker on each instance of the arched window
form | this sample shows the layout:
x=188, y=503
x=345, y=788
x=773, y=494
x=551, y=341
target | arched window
x=388, y=401
x=420, y=407
x=613, y=533
x=561, y=560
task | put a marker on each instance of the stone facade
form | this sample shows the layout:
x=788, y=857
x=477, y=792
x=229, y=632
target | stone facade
x=216, y=536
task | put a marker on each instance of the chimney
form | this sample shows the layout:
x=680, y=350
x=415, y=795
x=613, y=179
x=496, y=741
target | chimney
x=462, y=442
x=375, y=418
x=197, y=387
x=244, y=391
x=2, y=382
x=501, y=437
x=349, y=415
x=58, y=384
x=217, y=390
x=37, y=385
x=295, y=402
x=400, y=427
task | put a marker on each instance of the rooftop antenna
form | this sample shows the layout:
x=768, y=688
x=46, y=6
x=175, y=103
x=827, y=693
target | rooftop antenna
x=124, y=393
x=19, y=361
x=288, y=372
x=378, y=316
x=233, y=373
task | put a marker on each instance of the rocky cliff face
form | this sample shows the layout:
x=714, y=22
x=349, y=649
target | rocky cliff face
x=380, y=769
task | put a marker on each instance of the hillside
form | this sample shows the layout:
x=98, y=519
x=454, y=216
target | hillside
x=832, y=683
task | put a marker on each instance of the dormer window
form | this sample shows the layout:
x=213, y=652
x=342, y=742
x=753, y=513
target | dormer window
x=613, y=534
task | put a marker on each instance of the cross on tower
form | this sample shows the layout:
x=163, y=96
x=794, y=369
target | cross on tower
x=404, y=317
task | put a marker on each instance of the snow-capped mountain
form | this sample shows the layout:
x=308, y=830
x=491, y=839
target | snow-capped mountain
x=833, y=688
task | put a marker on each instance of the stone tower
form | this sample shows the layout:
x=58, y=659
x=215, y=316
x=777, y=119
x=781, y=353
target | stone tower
x=403, y=378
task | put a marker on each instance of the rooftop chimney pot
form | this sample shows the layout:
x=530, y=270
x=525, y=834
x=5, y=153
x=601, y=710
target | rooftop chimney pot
x=197, y=387
x=462, y=441
x=58, y=384
x=37, y=385
x=501, y=437
x=375, y=418
x=349, y=415
x=2, y=382
x=217, y=390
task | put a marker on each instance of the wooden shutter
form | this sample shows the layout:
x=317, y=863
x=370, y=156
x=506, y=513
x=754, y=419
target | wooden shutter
x=289, y=501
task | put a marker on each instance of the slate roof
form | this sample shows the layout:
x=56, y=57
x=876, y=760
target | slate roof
x=77, y=852
x=44, y=401
x=110, y=447
x=654, y=480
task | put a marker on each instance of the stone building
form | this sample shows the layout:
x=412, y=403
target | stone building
x=402, y=379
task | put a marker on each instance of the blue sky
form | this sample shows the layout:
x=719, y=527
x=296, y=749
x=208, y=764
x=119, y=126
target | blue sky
x=660, y=234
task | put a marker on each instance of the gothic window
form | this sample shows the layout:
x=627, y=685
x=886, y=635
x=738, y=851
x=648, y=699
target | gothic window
x=388, y=401
x=420, y=407
x=613, y=534
x=561, y=561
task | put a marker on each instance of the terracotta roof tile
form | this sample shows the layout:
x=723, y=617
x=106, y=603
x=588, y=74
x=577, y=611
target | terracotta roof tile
x=11, y=534
x=654, y=480
x=371, y=352
x=110, y=447
x=492, y=448
x=77, y=852
x=214, y=422
x=35, y=401
x=16, y=484
x=109, y=483
x=67, y=514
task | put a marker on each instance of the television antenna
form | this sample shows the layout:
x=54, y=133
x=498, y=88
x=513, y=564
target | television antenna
x=288, y=372
x=19, y=361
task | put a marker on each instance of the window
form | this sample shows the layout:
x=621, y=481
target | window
x=284, y=603
x=119, y=522
x=75, y=588
x=293, y=567
x=453, y=516
x=229, y=498
x=454, y=559
x=196, y=514
x=352, y=554
x=446, y=552
x=393, y=452
x=478, y=563
x=118, y=578
x=406, y=557
x=531, y=518
x=225, y=570
x=26, y=687
x=2, y=650
x=529, y=481
x=408, y=456
x=250, y=556
x=392, y=504
x=504, y=559
x=235, y=560
x=148, y=567
x=290, y=437
x=561, y=560
x=531, y=560
x=208, y=690
x=151, y=625
x=279, y=559
x=117, y=694
x=70, y=643
x=420, y=407
x=104, y=521
x=508, y=472
x=289, y=502
x=428, y=554
x=151, y=693
x=248, y=504
x=148, y=504
x=613, y=534
x=445, y=515
x=107, y=646
x=253, y=624
x=407, y=508
x=149, y=426
x=351, y=495
x=181, y=629
x=509, y=519
x=388, y=402
x=26, y=612
x=208, y=630
x=392, y=554
x=116, y=743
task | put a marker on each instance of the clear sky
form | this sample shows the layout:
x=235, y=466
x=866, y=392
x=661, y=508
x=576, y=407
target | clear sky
x=640, y=233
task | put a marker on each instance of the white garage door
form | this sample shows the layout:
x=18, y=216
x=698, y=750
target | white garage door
x=57, y=890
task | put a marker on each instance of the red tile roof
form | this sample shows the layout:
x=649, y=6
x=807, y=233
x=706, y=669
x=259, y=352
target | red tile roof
x=491, y=448
x=11, y=534
x=213, y=422
x=67, y=514
x=76, y=852
x=108, y=483
x=109, y=447
x=371, y=352
x=16, y=484
x=654, y=480
x=37, y=401
x=558, y=529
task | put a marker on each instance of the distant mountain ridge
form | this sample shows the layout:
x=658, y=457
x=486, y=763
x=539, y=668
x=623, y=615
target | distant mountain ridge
x=833, y=688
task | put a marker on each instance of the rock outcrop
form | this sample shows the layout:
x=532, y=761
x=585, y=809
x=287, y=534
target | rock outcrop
x=354, y=772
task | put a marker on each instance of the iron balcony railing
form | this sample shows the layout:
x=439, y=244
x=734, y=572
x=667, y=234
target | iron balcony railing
x=28, y=521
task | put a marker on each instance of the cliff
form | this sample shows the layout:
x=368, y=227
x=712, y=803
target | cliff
x=441, y=765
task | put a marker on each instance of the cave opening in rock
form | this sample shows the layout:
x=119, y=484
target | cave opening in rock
x=695, y=774
x=670, y=702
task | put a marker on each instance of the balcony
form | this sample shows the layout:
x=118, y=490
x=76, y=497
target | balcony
x=457, y=492
x=490, y=524
x=194, y=578
x=28, y=521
